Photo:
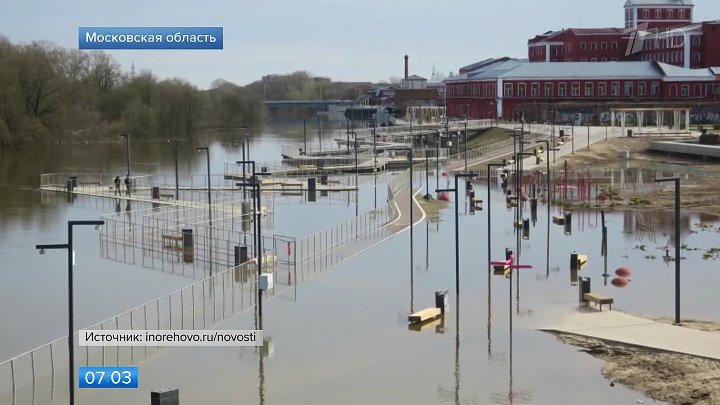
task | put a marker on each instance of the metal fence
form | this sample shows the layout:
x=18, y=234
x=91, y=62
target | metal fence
x=153, y=238
x=39, y=375
x=33, y=376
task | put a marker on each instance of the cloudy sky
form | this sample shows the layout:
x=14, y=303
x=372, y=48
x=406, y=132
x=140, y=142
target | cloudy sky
x=354, y=40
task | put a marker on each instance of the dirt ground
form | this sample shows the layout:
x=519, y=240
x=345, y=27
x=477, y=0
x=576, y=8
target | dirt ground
x=699, y=193
x=675, y=378
x=432, y=207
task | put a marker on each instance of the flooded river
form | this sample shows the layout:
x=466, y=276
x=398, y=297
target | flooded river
x=342, y=336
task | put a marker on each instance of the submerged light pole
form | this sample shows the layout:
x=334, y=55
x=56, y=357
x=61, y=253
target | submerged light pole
x=676, y=180
x=209, y=190
x=127, y=149
x=71, y=329
x=457, y=228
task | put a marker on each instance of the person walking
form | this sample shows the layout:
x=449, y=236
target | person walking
x=127, y=184
x=117, y=185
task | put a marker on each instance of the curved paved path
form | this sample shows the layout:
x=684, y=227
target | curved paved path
x=619, y=327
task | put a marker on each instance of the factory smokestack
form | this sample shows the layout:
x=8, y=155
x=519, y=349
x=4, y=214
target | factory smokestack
x=406, y=66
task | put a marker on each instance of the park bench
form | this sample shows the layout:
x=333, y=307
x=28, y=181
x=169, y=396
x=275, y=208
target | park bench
x=167, y=196
x=424, y=315
x=598, y=299
x=170, y=241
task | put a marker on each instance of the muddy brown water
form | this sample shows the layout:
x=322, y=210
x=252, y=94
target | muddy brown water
x=343, y=336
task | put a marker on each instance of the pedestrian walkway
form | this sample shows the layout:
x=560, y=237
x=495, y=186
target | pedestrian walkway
x=619, y=327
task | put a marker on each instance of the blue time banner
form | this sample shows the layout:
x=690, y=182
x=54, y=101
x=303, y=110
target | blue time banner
x=108, y=377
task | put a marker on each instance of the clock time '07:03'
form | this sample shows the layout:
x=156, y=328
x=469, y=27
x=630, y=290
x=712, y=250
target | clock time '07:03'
x=108, y=377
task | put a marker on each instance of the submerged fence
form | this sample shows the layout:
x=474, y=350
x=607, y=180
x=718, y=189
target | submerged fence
x=151, y=237
x=40, y=375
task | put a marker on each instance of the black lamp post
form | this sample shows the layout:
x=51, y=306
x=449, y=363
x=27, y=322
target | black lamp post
x=256, y=185
x=177, y=176
x=437, y=160
x=207, y=155
x=457, y=228
x=676, y=180
x=489, y=239
x=319, y=132
x=127, y=149
x=304, y=136
x=71, y=329
x=412, y=204
x=465, y=136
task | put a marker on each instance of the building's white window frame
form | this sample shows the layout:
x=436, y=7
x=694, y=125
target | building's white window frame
x=575, y=89
x=508, y=90
x=629, y=89
x=562, y=89
x=602, y=89
x=549, y=89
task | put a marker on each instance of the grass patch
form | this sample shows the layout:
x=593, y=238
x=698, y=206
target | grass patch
x=432, y=208
x=487, y=137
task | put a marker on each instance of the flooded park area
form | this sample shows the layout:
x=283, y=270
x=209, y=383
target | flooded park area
x=348, y=273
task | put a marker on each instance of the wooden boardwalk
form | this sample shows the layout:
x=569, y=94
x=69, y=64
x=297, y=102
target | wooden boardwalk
x=143, y=195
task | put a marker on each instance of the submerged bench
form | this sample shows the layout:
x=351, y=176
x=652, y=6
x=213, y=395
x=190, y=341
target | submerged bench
x=167, y=196
x=170, y=241
x=598, y=299
x=424, y=315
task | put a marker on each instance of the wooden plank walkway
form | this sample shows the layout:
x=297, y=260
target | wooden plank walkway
x=106, y=192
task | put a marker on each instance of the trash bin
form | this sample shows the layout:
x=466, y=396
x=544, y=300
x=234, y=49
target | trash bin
x=583, y=287
x=562, y=133
x=155, y=193
x=170, y=396
x=69, y=186
x=629, y=133
x=442, y=300
x=188, y=245
x=573, y=261
x=73, y=179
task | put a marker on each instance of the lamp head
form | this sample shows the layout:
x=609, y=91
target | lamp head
x=42, y=251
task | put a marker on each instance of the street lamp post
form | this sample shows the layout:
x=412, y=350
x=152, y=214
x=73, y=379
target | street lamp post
x=457, y=228
x=127, y=149
x=256, y=185
x=412, y=204
x=465, y=136
x=489, y=239
x=304, y=136
x=71, y=329
x=676, y=180
x=207, y=155
x=428, y=196
x=319, y=132
x=437, y=160
x=245, y=158
x=177, y=176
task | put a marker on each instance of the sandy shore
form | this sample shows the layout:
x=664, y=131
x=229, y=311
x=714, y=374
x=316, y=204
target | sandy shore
x=674, y=378
x=698, y=192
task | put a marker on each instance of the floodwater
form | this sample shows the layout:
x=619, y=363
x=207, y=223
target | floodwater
x=343, y=336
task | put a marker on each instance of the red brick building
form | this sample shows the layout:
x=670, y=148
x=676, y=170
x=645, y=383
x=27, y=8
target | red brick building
x=658, y=14
x=654, y=30
x=507, y=87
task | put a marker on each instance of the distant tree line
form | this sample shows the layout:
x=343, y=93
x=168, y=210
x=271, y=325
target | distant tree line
x=53, y=94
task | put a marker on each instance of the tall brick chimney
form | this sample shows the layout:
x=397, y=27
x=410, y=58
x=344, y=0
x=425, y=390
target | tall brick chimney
x=406, y=66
